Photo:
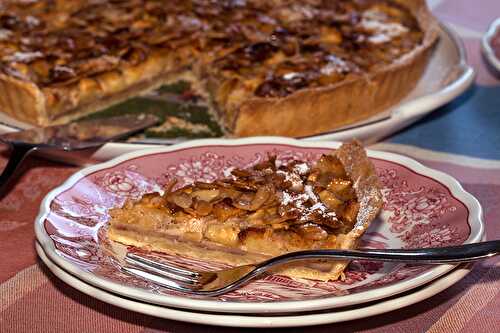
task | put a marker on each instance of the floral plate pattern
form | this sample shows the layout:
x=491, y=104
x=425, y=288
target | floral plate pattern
x=423, y=208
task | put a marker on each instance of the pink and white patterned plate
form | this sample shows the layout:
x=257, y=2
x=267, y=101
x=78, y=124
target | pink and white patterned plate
x=423, y=208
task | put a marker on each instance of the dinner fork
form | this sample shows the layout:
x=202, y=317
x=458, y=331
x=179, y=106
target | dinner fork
x=214, y=283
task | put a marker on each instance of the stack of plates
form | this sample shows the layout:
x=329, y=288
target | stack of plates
x=424, y=208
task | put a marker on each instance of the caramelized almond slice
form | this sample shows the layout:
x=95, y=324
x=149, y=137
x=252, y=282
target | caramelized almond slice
x=262, y=195
x=268, y=164
x=207, y=195
x=228, y=192
x=330, y=164
x=338, y=185
x=223, y=211
x=252, y=202
x=202, y=208
x=180, y=198
x=268, y=216
x=241, y=173
x=244, y=185
x=330, y=200
x=244, y=201
x=350, y=212
x=342, y=188
x=256, y=218
x=313, y=176
x=153, y=200
x=42, y=68
x=323, y=179
x=330, y=78
x=311, y=231
x=206, y=186
x=330, y=35
x=170, y=185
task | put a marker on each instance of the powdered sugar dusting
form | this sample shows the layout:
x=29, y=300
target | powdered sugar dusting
x=5, y=34
x=307, y=203
x=310, y=193
x=301, y=168
x=383, y=31
x=334, y=65
x=227, y=172
x=23, y=56
x=293, y=178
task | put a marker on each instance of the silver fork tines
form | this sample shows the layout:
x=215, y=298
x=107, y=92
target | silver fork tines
x=157, y=279
x=214, y=283
x=140, y=260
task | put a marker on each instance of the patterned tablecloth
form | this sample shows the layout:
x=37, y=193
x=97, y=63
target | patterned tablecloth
x=462, y=139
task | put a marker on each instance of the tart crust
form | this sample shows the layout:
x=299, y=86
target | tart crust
x=358, y=168
x=307, y=111
x=343, y=103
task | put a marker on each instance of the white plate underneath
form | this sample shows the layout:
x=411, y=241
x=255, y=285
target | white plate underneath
x=486, y=41
x=332, y=316
x=447, y=76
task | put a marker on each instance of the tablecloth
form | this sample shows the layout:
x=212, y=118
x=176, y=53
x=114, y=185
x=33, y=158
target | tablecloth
x=462, y=139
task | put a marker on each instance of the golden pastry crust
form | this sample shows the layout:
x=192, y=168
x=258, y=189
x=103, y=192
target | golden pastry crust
x=310, y=109
x=262, y=212
x=319, y=110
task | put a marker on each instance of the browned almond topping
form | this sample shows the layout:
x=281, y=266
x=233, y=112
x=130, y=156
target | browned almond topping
x=312, y=202
x=267, y=48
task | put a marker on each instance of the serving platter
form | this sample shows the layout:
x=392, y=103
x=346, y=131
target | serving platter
x=268, y=321
x=447, y=76
x=423, y=208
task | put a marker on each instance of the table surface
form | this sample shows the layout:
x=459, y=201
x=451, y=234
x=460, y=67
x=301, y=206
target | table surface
x=462, y=139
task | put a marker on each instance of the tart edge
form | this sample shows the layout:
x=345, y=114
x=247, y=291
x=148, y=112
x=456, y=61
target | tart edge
x=332, y=106
x=314, y=110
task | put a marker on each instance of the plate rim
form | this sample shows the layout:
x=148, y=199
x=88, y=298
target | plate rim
x=486, y=44
x=240, y=320
x=475, y=221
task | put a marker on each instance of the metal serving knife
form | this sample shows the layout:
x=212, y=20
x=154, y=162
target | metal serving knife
x=74, y=137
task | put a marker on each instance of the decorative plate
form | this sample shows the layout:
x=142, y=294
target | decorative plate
x=490, y=38
x=423, y=208
x=263, y=320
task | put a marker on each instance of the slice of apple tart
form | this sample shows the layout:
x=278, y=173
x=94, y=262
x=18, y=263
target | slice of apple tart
x=267, y=210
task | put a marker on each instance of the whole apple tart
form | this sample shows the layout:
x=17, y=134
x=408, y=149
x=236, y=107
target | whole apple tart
x=278, y=67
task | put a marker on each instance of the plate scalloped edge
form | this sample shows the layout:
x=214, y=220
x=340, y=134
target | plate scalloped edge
x=475, y=222
x=486, y=44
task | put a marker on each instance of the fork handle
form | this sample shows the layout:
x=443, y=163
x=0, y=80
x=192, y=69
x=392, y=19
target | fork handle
x=442, y=255
x=17, y=155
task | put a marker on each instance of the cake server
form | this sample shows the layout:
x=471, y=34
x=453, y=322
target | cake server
x=81, y=136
